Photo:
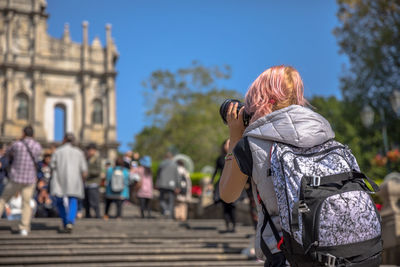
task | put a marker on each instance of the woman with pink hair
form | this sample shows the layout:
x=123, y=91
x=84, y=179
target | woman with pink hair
x=276, y=104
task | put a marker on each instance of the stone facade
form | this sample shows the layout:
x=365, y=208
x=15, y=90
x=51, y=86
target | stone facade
x=39, y=73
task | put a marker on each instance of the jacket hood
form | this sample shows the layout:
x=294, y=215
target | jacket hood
x=294, y=125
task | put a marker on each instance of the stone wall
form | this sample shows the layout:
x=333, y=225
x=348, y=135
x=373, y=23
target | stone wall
x=47, y=72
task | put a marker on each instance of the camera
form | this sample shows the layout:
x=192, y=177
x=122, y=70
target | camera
x=224, y=109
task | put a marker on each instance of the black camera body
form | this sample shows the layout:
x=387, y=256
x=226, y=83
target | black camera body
x=224, y=109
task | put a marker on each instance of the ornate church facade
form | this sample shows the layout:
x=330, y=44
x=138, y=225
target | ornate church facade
x=40, y=73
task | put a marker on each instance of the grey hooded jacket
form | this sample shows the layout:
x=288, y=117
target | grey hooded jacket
x=294, y=125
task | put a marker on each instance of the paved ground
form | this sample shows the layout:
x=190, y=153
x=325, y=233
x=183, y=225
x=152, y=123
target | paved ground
x=130, y=241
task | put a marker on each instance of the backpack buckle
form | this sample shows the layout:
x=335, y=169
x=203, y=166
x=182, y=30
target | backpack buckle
x=331, y=260
x=316, y=181
x=303, y=208
x=327, y=259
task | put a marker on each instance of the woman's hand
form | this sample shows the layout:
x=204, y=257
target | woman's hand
x=235, y=122
x=232, y=179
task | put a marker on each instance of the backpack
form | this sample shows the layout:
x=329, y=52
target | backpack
x=327, y=215
x=183, y=185
x=117, y=181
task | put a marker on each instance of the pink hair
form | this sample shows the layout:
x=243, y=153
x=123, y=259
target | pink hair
x=277, y=87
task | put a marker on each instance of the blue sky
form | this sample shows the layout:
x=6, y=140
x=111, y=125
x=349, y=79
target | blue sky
x=248, y=35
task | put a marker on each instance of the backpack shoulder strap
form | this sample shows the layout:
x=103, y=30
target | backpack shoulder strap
x=268, y=220
x=269, y=172
x=30, y=154
x=112, y=174
x=267, y=216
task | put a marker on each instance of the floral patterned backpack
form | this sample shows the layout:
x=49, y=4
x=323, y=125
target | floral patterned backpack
x=327, y=215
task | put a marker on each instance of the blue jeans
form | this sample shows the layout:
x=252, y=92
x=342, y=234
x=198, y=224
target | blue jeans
x=67, y=214
x=14, y=217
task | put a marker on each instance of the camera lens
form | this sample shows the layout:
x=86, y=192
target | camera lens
x=224, y=109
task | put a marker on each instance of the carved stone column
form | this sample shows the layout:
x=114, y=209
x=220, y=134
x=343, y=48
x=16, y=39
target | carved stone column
x=85, y=100
x=79, y=118
x=111, y=106
x=35, y=39
x=390, y=194
x=9, y=94
x=9, y=27
x=109, y=47
x=85, y=45
x=38, y=104
x=9, y=105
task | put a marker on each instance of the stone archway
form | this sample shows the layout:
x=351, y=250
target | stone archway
x=51, y=104
x=60, y=120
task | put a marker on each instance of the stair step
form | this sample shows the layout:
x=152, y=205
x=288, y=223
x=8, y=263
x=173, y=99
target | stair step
x=8, y=261
x=146, y=235
x=127, y=242
x=165, y=264
x=238, y=245
x=115, y=251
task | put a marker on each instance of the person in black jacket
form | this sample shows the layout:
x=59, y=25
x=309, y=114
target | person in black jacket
x=92, y=182
x=229, y=211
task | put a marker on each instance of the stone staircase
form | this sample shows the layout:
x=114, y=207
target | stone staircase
x=131, y=241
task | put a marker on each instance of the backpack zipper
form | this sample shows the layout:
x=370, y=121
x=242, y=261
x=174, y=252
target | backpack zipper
x=334, y=153
x=314, y=153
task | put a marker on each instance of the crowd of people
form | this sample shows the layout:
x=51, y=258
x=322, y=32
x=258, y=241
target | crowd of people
x=70, y=183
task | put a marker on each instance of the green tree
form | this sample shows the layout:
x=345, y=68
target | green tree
x=369, y=34
x=183, y=110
